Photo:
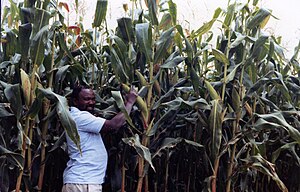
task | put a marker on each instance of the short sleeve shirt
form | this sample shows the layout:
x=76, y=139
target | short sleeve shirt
x=90, y=166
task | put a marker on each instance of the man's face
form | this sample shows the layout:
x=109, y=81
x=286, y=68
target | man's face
x=85, y=100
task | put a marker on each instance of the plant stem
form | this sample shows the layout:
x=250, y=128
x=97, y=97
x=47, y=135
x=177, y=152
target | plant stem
x=167, y=171
x=43, y=145
x=189, y=179
x=123, y=169
x=46, y=107
x=225, y=66
x=214, y=177
x=230, y=167
x=123, y=178
x=23, y=153
x=27, y=127
x=235, y=129
x=140, y=170
x=146, y=183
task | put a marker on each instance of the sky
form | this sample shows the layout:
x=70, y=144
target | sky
x=193, y=13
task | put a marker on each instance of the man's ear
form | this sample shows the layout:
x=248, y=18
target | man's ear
x=75, y=101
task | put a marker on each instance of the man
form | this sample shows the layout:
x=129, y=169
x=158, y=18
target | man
x=85, y=172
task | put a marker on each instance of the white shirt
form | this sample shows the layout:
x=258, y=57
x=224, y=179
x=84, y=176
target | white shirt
x=90, y=166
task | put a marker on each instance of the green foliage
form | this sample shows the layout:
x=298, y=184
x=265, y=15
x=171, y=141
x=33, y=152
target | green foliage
x=215, y=112
x=100, y=13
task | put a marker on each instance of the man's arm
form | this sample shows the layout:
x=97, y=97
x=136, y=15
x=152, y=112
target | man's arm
x=117, y=121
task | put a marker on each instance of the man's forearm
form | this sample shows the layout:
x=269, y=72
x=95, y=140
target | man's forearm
x=117, y=121
x=129, y=106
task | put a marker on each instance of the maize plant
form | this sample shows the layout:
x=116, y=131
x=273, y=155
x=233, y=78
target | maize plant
x=216, y=111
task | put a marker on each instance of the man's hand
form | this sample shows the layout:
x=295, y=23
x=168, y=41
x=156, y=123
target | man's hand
x=131, y=96
x=116, y=122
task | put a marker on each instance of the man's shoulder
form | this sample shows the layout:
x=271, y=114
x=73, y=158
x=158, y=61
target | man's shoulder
x=76, y=111
x=80, y=115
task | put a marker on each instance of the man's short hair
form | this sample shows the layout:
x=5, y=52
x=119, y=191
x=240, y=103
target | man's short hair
x=76, y=90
